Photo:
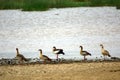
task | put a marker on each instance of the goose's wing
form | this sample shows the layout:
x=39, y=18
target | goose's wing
x=106, y=52
x=45, y=57
x=56, y=51
x=86, y=53
x=59, y=51
x=22, y=57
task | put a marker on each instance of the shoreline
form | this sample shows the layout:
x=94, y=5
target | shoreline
x=64, y=61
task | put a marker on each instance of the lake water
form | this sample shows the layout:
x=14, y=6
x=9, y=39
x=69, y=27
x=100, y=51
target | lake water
x=66, y=28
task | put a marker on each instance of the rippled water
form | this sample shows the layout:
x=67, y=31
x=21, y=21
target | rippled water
x=64, y=28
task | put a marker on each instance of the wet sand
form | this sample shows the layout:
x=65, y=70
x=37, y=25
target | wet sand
x=71, y=71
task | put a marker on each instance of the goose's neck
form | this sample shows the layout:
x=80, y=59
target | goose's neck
x=81, y=49
x=102, y=47
x=54, y=49
x=40, y=53
x=17, y=52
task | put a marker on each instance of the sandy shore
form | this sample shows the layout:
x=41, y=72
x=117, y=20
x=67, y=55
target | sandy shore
x=72, y=71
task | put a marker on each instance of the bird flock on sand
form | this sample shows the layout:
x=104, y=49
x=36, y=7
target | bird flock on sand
x=56, y=51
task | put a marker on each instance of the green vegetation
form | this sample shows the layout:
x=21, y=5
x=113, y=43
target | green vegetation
x=105, y=2
x=36, y=5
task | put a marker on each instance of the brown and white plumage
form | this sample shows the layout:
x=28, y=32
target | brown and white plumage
x=58, y=51
x=44, y=57
x=104, y=52
x=20, y=57
x=84, y=53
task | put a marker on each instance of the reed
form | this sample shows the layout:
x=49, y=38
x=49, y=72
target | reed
x=105, y=2
x=11, y=4
x=38, y=5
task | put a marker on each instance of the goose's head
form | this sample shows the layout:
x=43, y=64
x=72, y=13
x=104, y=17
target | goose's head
x=54, y=48
x=81, y=47
x=101, y=45
x=16, y=48
x=40, y=50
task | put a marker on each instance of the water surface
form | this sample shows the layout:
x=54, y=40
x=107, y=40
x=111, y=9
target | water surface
x=66, y=28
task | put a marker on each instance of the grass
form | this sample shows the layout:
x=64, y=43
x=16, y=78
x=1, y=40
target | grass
x=41, y=5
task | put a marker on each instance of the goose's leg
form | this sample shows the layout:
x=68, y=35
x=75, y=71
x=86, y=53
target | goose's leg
x=57, y=56
x=104, y=57
x=84, y=57
x=44, y=61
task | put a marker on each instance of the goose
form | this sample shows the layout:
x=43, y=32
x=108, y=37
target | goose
x=104, y=52
x=20, y=57
x=58, y=51
x=44, y=57
x=84, y=53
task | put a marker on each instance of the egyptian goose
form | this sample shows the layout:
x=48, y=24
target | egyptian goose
x=58, y=51
x=44, y=57
x=20, y=57
x=104, y=52
x=84, y=53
